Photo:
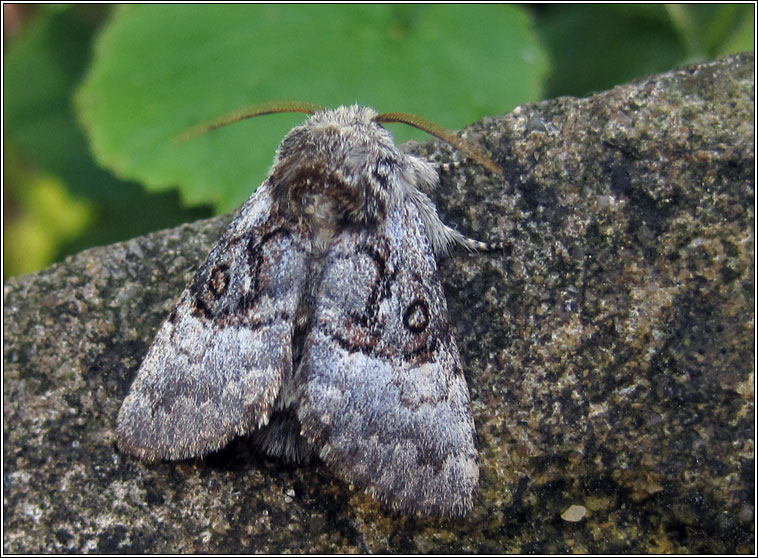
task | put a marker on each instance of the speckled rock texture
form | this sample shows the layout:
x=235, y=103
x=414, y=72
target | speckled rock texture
x=608, y=349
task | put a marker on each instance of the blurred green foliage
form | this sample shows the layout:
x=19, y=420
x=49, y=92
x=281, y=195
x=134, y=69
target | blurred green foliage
x=594, y=47
x=42, y=137
x=93, y=95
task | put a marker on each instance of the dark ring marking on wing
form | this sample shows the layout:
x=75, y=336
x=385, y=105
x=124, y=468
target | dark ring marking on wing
x=219, y=292
x=219, y=281
x=216, y=285
x=368, y=342
x=416, y=316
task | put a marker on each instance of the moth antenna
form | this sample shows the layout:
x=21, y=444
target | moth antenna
x=252, y=111
x=445, y=135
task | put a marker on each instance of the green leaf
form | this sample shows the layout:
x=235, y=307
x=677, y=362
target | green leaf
x=739, y=30
x=43, y=66
x=161, y=69
x=594, y=47
x=40, y=73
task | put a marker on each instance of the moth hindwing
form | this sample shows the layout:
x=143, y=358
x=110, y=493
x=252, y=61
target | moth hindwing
x=318, y=325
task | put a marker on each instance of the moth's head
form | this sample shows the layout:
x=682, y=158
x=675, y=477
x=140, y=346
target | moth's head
x=344, y=162
x=345, y=143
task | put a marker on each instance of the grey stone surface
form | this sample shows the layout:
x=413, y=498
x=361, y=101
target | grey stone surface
x=609, y=352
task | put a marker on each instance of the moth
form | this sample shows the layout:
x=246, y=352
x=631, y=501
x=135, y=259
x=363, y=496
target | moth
x=318, y=325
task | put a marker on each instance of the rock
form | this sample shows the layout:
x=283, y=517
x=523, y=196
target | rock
x=574, y=513
x=609, y=350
